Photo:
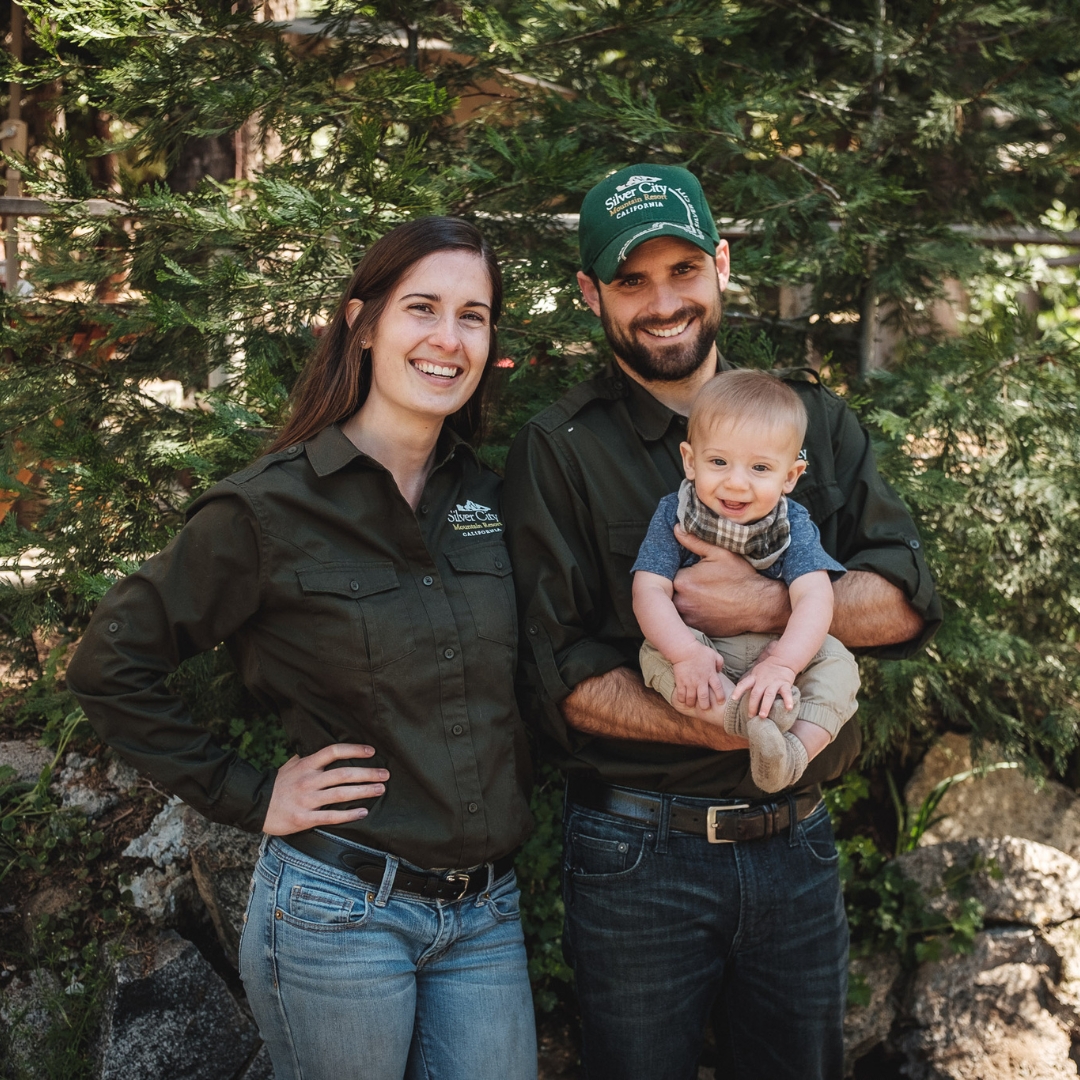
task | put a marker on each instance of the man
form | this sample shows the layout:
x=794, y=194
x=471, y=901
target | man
x=687, y=889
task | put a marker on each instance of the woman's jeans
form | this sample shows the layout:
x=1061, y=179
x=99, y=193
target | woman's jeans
x=663, y=927
x=349, y=981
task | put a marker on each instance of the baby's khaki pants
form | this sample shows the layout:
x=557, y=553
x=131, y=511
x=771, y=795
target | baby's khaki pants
x=828, y=684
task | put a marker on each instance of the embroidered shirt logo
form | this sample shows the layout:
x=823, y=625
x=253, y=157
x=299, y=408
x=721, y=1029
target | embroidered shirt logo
x=474, y=519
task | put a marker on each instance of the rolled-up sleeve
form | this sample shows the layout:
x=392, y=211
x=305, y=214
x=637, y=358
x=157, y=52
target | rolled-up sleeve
x=193, y=595
x=875, y=532
x=558, y=577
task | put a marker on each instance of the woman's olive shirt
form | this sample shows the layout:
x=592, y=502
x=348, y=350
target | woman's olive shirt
x=351, y=617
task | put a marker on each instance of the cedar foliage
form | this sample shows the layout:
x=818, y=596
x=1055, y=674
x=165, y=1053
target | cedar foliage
x=851, y=136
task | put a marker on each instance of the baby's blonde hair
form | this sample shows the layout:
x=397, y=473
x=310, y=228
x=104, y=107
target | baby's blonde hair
x=747, y=396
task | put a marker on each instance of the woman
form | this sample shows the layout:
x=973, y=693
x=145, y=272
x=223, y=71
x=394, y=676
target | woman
x=358, y=575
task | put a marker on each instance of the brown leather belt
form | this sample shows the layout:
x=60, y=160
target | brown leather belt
x=728, y=822
x=429, y=884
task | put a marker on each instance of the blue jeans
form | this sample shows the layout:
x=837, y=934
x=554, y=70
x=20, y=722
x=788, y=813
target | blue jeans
x=662, y=927
x=348, y=981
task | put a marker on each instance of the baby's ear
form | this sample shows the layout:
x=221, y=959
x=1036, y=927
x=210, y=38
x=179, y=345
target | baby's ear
x=793, y=475
x=687, y=452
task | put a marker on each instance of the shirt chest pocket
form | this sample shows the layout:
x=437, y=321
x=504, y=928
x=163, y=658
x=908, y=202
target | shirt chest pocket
x=485, y=577
x=358, y=614
x=624, y=540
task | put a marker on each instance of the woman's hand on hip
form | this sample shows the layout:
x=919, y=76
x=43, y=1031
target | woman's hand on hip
x=305, y=786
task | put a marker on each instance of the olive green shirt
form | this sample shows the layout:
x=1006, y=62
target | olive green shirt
x=352, y=618
x=582, y=482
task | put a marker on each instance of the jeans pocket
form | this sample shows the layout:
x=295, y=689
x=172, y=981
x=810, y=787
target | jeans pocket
x=816, y=838
x=597, y=850
x=504, y=900
x=315, y=906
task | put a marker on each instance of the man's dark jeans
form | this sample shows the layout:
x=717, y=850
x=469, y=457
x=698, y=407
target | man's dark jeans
x=662, y=926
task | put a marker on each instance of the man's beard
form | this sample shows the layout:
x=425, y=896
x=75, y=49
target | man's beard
x=659, y=362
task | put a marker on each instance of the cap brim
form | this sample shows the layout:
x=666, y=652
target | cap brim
x=606, y=264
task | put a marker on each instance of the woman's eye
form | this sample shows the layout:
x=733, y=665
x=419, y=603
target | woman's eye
x=422, y=309
x=474, y=317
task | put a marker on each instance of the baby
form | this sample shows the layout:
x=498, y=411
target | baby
x=745, y=434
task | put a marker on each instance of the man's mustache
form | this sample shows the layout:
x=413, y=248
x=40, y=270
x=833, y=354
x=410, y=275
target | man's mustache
x=684, y=313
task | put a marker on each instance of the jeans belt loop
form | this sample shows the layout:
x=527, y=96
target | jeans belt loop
x=711, y=822
x=387, y=884
x=663, y=824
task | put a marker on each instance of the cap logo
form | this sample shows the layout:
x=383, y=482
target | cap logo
x=635, y=180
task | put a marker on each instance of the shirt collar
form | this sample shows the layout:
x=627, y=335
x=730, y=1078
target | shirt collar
x=332, y=450
x=651, y=418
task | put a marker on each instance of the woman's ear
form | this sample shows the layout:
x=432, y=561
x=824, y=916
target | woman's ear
x=352, y=311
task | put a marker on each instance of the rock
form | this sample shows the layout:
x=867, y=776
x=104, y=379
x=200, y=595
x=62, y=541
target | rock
x=26, y=757
x=170, y=1015
x=222, y=859
x=1064, y=939
x=1006, y=802
x=121, y=775
x=260, y=1068
x=163, y=842
x=990, y=1015
x=1038, y=885
x=164, y=896
x=867, y=1025
x=25, y=1017
x=77, y=791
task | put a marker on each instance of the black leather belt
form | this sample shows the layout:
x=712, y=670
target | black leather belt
x=431, y=885
x=722, y=823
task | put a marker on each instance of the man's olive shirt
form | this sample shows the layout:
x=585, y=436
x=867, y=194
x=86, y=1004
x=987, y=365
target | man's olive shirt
x=582, y=482
x=352, y=618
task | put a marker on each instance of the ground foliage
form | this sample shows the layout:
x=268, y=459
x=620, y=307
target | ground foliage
x=850, y=137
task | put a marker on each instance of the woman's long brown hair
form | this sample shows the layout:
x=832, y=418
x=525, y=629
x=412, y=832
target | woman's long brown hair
x=336, y=380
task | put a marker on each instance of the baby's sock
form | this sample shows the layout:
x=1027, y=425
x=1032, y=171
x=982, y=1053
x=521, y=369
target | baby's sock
x=737, y=718
x=777, y=758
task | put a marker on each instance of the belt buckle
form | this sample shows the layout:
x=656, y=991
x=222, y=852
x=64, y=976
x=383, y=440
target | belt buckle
x=711, y=824
x=462, y=876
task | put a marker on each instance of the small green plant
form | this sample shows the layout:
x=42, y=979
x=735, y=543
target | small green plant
x=911, y=826
x=31, y=824
x=888, y=911
x=538, y=871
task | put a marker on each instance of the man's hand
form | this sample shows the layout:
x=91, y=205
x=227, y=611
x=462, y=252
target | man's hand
x=304, y=785
x=763, y=682
x=723, y=595
x=697, y=678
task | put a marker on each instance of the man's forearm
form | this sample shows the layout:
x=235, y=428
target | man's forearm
x=617, y=705
x=867, y=609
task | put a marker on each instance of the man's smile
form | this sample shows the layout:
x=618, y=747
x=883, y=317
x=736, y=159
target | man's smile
x=673, y=331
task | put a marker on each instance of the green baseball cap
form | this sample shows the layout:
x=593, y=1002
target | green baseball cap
x=639, y=203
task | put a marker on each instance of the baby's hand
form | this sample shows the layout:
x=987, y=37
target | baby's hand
x=697, y=677
x=764, y=681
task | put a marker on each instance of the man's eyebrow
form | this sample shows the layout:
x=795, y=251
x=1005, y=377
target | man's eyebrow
x=435, y=298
